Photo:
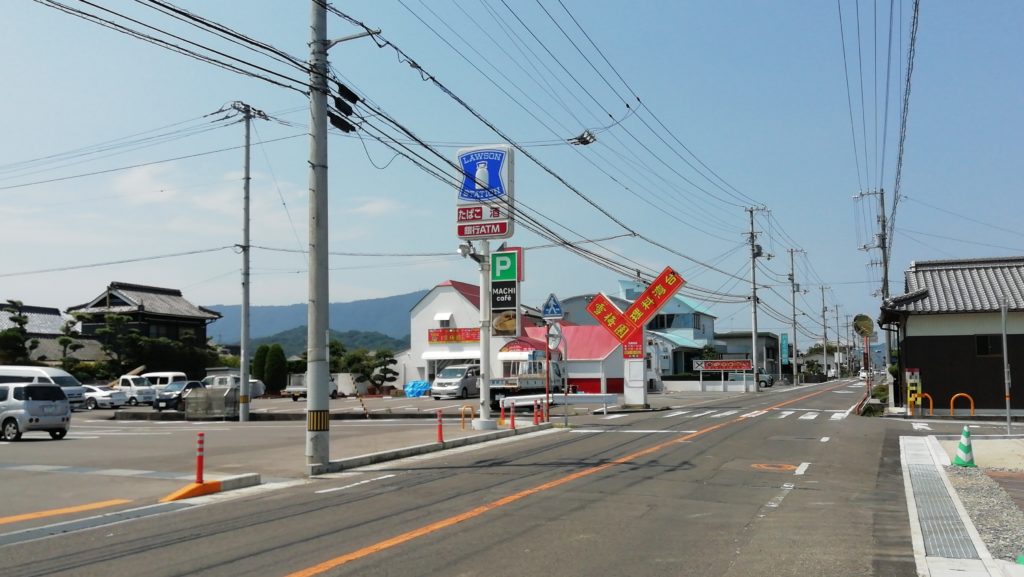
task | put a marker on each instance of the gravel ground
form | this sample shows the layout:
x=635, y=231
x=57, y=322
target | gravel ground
x=997, y=518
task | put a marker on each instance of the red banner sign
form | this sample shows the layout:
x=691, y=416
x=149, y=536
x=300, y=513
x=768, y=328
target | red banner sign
x=624, y=325
x=655, y=297
x=441, y=336
x=708, y=365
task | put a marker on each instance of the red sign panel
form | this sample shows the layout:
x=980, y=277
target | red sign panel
x=633, y=348
x=470, y=213
x=737, y=365
x=440, y=336
x=484, y=229
x=656, y=295
x=609, y=316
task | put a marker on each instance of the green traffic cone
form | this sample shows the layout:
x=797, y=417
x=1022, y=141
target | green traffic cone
x=964, y=455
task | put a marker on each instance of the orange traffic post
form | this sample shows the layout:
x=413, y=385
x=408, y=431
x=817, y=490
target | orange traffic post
x=535, y=412
x=957, y=396
x=512, y=416
x=199, y=458
x=440, y=431
x=931, y=404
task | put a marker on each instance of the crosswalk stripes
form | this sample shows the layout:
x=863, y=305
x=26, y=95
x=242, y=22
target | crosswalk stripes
x=805, y=414
x=785, y=414
x=723, y=414
x=674, y=414
x=809, y=416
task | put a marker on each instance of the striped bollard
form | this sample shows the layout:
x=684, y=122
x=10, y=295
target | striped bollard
x=535, y=421
x=964, y=454
x=199, y=458
x=512, y=416
x=440, y=432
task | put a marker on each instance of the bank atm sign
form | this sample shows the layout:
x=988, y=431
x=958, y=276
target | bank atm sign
x=486, y=197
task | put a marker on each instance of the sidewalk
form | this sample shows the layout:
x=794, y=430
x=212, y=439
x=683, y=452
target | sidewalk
x=946, y=542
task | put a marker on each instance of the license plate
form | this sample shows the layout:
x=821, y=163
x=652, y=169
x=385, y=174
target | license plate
x=47, y=410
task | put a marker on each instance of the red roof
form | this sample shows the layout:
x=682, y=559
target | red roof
x=470, y=291
x=586, y=342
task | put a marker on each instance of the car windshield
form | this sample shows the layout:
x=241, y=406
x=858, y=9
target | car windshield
x=139, y=382
x=102, y=389
x=452, y=373
x=175, y=386
x=67, y=381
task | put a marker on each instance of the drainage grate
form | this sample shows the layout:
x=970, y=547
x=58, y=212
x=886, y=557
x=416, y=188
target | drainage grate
x=944, y=532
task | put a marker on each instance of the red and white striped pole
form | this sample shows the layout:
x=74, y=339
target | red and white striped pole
x=199, y=458
x=440, y=433
x=535, y=402
x=512, y=416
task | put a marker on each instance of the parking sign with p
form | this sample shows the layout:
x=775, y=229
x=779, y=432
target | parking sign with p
x=504, y=266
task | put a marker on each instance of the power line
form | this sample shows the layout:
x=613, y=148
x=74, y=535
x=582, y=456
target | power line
x=115, y=262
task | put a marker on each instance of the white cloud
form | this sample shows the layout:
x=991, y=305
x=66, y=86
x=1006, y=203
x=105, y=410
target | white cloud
x=145, y=185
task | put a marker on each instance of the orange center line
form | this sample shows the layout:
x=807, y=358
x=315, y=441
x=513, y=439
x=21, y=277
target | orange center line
x=477, y=511
x=62, y=511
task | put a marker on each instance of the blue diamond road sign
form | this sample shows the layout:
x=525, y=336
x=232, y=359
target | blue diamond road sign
x=552, y=309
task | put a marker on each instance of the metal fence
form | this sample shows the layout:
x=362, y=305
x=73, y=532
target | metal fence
x=211, y=402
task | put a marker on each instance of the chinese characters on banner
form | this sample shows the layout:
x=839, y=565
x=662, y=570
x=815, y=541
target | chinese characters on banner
x=451, y=335
x=628, y=327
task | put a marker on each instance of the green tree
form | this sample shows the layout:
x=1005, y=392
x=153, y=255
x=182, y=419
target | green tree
x=259, y=362
x=121, y=342
x=372, y=368
x=812, y=366
x=709, y=352
x=15, y=345
x=275, y=371
x=383, y=374
x=67, y=343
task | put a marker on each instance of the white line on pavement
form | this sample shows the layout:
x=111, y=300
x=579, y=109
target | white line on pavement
x=801, y=469
x=618, y=416
x=695, y=415
x=777, y=500
x=753, y=414
x=838, y=416
x=363, y=482
x=724, y=414
x=785, y=414
x=808, y=416
x=643, y=431
x=921, y=427
x=675, y=414
x=825, y=439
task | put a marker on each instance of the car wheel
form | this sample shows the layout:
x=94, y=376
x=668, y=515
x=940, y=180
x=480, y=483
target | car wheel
x=133, y=401
x=90, y=404
x=10, y=431
x=437, y=398
x=334, y=394
x=464, y=394
x=58, y=434
x=295, y=398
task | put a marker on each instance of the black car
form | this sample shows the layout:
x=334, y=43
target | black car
x=170, y=397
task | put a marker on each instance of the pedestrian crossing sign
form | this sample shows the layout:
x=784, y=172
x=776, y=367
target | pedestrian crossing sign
x=552, y=309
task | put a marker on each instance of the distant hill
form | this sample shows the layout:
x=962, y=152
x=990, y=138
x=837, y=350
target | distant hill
x=293, y=341
x=388, y=315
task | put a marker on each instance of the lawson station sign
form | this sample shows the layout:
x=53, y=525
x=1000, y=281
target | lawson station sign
x=486, y=196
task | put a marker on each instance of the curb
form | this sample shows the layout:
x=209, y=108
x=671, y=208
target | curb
x=382, y=456
x=210, y=487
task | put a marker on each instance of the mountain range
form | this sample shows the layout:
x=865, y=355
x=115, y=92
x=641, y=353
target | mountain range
x=293, y=341
x=387, y=315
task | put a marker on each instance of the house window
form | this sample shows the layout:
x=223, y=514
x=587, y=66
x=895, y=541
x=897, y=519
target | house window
x=445, y=323
x=988, y=345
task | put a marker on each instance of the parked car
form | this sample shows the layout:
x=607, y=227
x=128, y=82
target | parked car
x=161, y=379
x=764, y=379
x=456, y=381
x=33, y=407
x=863, y=374
x=172, y=396
x=256, y=386
x=138, y=389
x=29, y=374
x=103, y=397
x=297, y=389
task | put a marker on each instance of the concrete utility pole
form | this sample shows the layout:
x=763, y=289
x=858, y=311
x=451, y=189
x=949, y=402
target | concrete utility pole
x=794, y=288
x=883, y=246
x=317, y=363
x=839, y=350
x=485, y=422
x=849, y=346
x=824, y=329
x=243, y=390
x=755, y=251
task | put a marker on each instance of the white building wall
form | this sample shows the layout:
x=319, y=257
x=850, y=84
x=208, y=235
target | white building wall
x=421, y=319
x=963, y=324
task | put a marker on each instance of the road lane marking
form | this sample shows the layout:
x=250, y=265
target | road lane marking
x=808, y=416
x=801, y=469
x=363, y=482
x=724, y=414
x=785, y=414
x=825, y=439
x=675, y=414
x=850, y=410
x=777, y=500
x=634, y=431
x=63, y=511
x=921, y=426
x=753, y=414
x=618, y=416
x=695, y=415
x=475, y=512
x=837, y=416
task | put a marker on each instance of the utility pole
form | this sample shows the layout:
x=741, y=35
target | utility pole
x=839, y=350
x=755, y=251
x=243, y=386
x=794, y=288
x=849, y=346
x=318, y=424
x=824, y=329
x=883, y=245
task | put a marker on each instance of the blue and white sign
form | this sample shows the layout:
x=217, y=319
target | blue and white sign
x=552, y=309
x=486, y=198
x=784, y=345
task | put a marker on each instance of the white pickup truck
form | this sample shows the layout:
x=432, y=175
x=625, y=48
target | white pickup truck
x=297, y=387
x=138, y=389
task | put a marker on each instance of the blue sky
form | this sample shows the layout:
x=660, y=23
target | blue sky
x=756, y=90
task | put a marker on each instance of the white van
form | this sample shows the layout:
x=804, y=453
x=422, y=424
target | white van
x=138, y=390
x=28, y=374
x=256, y=386
x=161, y=379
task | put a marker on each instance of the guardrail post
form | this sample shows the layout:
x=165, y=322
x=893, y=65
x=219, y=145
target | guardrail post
x=440, y=431
x=199, y=458
x=512, y=416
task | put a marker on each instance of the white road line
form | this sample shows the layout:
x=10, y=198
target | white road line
x=753, y=414
x=354, y=484
x=785, y=414
x=695, y=415
x=618, y=416
x=837, y=416
x=843, y=392
x=644, y=431
x=724, y=414
x=850, y=410
x=675, y=414
x=777, y=500
x=801, y=469
x=825, y=439
x=921, y=426
x=808, y=416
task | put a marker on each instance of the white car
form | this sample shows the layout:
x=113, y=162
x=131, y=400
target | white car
x=103, y=397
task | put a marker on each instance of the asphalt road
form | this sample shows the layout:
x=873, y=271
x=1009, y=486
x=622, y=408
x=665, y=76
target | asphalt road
x=778, y=483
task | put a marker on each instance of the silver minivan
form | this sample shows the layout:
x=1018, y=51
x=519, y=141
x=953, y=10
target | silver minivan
x=33, y=407
x=460, y=381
